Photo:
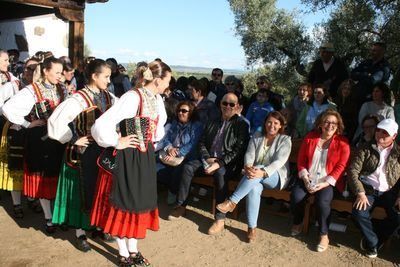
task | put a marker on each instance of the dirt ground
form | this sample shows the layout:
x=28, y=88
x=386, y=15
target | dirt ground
x=185, y=242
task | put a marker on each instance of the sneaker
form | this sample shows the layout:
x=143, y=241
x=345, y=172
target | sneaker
x=372, y=253
x=176, y=213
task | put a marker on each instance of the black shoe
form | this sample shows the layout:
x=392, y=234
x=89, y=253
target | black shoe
x=125, y=262
x=35, y=205
x=49, y=227
x=82, y=244
x=364, y=247
x=138, y=259
x=372, y=253
x=103, y=236
x=63, y=227
x=18, y=211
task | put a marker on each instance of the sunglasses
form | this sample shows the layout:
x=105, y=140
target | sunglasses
x=224, y=103
x=216, y=74
x=182, y=110
x=258, y=83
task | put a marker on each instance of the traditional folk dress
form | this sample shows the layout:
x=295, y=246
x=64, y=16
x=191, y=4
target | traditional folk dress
x=126, y=194
x=72, y=120
x=12, y=139
x=42, y=158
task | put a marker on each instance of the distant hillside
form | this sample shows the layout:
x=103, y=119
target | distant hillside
x=200, y=70
x=189, y=69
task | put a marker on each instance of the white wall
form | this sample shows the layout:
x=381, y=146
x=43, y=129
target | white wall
x=54, y=36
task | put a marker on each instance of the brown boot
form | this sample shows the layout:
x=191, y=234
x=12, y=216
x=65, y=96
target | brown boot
x=251, y=235
x=226, y=206
x=216, y=227
x=176, y=213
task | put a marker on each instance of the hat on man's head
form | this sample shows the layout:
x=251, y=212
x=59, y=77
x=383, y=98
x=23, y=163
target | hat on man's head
x=327, y=47
x=389, y=125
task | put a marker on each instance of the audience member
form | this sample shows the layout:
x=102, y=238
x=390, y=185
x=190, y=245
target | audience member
x=258, y=111
x=345, y=103
x=373, y=177
x=328, y=70
x=221, y=147
x=276, y=100
x=368, y=125
x=321, y=163
x=317, y=104
x=265, y=165
x=371, y=71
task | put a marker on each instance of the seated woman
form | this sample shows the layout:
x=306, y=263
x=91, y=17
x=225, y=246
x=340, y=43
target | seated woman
x=178, y=145
x=318, y=103
x=265, y=164
x=321, y=162
x=368, y=126
x=380, y=105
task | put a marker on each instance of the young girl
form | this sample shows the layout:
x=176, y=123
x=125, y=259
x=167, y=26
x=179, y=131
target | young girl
x=79, y=171
x=126, y=196
x=30, y=108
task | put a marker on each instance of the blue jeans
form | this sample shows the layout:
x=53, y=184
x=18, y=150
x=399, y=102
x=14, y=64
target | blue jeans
x=252, y=188
x=377, y=233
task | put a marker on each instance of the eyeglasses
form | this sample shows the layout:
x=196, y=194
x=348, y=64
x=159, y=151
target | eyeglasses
x=224, y=103
x=182, y=110
x=330, y=123
x=216, y=74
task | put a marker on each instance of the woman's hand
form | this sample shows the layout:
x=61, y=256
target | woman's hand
x=83, y=141
x=37, y=123
x=212, y=168
x=127, y=141
x=361, y=202
x=172, y=151
x=318, y=187
x=253, y=172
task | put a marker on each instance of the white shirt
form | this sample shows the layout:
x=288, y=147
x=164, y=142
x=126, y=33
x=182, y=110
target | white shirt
x=377, y=179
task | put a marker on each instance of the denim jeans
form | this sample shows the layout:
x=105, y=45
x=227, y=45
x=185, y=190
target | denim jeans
x=252, y=188
x=377, y=233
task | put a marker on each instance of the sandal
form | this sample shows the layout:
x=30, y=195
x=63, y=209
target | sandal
x=138, y=259
x=18, y=211
x=125, y=262
x=323, y=243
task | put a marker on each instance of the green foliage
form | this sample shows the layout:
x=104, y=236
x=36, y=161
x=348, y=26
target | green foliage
x=130, y=69
x=87, y=52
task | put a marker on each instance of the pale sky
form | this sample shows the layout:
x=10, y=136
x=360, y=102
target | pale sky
x=180, y=32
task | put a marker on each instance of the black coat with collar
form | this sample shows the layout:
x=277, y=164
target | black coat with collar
x=236, y=138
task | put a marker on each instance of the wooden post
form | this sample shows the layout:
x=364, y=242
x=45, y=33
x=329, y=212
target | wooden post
x=76, y=42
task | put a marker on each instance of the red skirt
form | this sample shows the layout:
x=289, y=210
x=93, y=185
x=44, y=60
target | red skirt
x=37, y=186
x=115, y=221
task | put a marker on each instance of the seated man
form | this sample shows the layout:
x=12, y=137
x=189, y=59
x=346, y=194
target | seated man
x=374, y=177
x=222, y=147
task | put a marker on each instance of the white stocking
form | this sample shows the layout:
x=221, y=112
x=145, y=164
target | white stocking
x=46, y=206
x=79, y=232
x=122, y=247
x=16, y=197
x=132, y=245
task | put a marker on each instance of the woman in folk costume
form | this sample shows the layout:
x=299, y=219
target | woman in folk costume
x=125, y=203
x=9, y=85
x=70, y=123
x=30, y=108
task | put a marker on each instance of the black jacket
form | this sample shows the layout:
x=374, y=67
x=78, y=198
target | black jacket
x=236, y=138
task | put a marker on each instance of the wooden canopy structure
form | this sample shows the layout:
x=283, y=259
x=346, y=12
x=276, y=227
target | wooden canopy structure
x=67, y=10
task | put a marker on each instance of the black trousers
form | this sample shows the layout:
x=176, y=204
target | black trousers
x=221, y=178
x=323, y=200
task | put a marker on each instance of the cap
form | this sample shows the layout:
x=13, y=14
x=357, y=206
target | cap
x=389, y=125
x=327, y=47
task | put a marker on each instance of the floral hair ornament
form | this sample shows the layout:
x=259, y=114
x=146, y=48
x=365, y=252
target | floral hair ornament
x=147, y=75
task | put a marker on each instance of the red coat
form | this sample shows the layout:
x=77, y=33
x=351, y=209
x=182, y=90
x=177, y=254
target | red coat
x=337, y=158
